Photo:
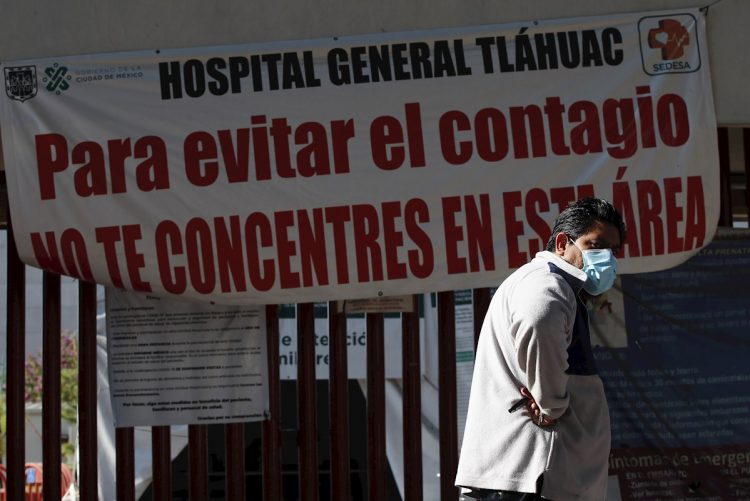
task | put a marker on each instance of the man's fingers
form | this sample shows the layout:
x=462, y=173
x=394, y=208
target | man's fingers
x=535, y=412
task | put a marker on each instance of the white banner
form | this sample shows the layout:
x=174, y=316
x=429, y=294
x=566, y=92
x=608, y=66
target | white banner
x=361, y=166
x=177, y=362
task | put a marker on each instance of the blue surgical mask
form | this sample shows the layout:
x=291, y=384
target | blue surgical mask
x=600, y=266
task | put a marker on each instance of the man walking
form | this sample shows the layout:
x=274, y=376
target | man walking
x=538, y=423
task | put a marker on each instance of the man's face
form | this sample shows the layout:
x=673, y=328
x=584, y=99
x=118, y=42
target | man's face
x=602, y=236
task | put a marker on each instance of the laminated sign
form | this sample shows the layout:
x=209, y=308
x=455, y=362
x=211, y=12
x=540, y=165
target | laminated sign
x=361, y=166
x=177, y=362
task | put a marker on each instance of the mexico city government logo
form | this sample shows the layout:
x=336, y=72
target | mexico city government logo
x=56, y=78
x=20, y=82
x=669, y=44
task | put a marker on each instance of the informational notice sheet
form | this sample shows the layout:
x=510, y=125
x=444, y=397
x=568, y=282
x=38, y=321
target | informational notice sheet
x=356, y=343
x=384, y=304
x=185, y=363
x=464, y=355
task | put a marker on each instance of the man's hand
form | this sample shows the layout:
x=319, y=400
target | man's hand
x=535, y=413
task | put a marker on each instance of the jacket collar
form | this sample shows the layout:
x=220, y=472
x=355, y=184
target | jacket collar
x=576, y=276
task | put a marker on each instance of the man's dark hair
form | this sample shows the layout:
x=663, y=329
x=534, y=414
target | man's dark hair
x=580, y=217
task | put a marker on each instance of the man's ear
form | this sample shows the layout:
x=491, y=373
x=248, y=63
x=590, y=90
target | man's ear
x=561, y=242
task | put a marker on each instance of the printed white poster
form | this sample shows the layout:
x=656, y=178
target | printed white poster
x=175, y=362
x=356, y=345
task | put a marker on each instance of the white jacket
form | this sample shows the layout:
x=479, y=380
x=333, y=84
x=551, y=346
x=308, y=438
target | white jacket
x=536, y=335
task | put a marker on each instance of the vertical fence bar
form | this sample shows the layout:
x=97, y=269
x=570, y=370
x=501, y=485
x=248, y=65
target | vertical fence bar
x=725, y=216
x=339, y=404
x=88, y=451
x=272, y=425
x=746, y=148
x=306, y=403
x=482, y=299
x=447, y=387
x=161, y=458
x=198, y=462
x=51, y=368
x=412, y=404
x=16, y=352
x=376, y=457
x=234, y=445
x=125, y=464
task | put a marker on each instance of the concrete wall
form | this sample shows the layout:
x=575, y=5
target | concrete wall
x=43, y=28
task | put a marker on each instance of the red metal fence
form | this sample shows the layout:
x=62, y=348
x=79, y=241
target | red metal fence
x=307, y=439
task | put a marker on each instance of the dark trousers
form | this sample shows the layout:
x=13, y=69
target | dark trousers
x=490, y=495
x=487, y=495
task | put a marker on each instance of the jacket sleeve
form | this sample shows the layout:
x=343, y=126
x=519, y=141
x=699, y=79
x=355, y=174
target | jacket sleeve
x=542, y=313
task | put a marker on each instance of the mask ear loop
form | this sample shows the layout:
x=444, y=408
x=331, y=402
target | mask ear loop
x=573, y=243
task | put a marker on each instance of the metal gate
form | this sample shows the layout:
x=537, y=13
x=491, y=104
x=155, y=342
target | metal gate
x=307, y=423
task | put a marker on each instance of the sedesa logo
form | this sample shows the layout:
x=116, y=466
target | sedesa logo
x=669, y=44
